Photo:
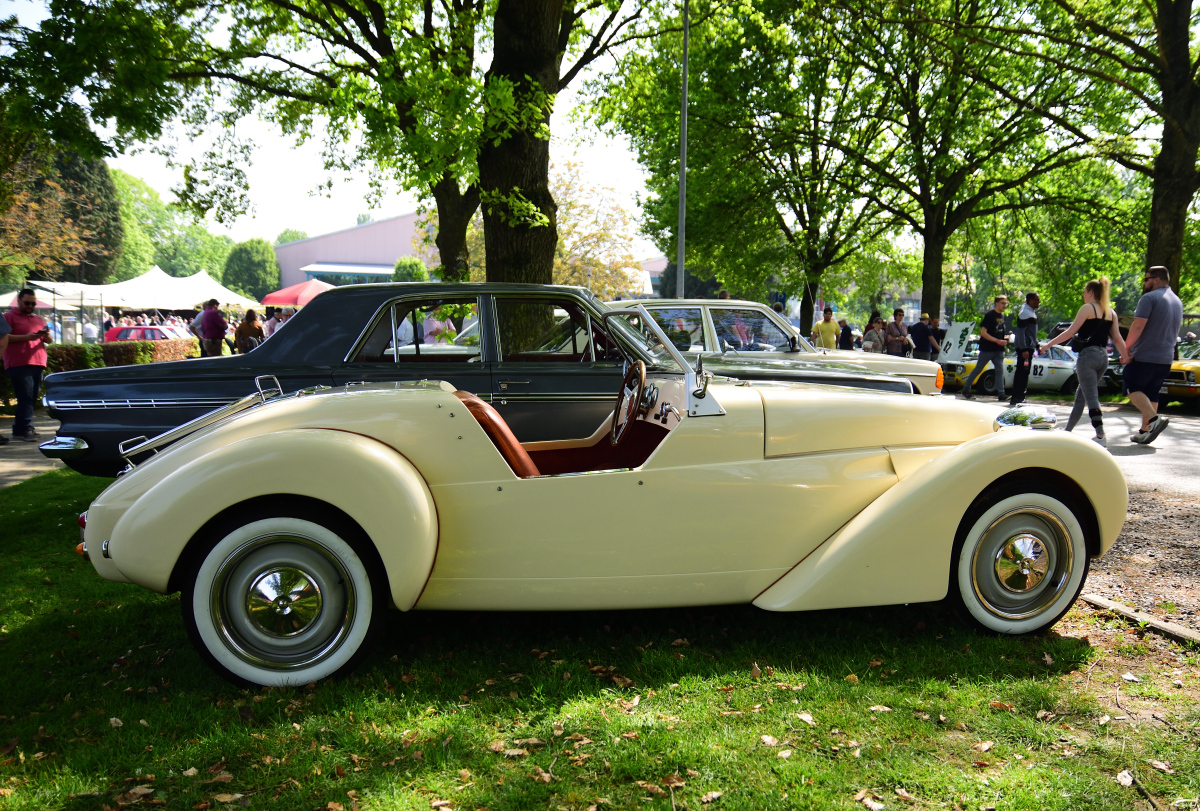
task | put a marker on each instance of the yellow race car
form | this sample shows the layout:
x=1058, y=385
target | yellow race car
x=1181, y=383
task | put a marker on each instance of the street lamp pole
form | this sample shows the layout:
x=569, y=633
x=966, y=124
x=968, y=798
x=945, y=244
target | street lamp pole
x=679, y=271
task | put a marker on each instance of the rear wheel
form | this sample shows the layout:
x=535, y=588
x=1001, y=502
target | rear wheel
x=281, y=601
x=1071, y=385
x=987, y=382
x=1020, y=565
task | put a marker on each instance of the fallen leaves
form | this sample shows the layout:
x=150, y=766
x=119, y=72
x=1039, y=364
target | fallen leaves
x=1048, y=659
x=982, y=746
x=679, y=643
x=755, y=672
x=115, y=723
x=852, y=679
x=711, y=796
x=879, y=708
x=1125, y=778
x=650, y=788
x=806, y=718
x=233, y=798
x=904, y=795
x=869, y=799
x=1162, y=766
x=1129, y=677
x=1000, y=705
x=541, y=775
x=673, y=781
x=784, y=753
x=769, y=740
x=192, y=772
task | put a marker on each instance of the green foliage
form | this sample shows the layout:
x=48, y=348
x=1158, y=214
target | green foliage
x=696, y=284
x=252, y=268
x=181, y=246
x=137, y=255
x=364, y=219
x=290, y=235
x=68, y=357
x=410, y=269
x=96, y=206
x=90, y=64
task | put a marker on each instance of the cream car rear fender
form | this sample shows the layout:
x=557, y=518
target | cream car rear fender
x=370, y=482
x=897, y=550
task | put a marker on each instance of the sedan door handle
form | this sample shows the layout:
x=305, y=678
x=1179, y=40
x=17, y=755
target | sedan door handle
x=504, y=384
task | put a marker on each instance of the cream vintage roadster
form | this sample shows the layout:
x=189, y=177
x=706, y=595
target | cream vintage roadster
x=291, y=522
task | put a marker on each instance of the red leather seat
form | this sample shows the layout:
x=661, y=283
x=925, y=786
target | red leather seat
x=500, y=434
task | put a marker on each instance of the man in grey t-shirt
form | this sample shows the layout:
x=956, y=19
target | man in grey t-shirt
x=1151, y=348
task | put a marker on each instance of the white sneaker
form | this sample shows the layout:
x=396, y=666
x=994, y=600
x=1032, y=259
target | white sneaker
x=1101, y=441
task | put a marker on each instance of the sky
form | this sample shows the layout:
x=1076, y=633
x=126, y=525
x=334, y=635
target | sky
x=283, y=176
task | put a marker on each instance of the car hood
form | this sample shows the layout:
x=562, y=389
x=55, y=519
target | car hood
x=806, y=419
x=800, y=369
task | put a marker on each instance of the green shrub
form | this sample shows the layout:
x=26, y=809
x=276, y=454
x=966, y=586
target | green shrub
x=69, y=357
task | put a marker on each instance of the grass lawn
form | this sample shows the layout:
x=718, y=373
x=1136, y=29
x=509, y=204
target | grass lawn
x=104, y=703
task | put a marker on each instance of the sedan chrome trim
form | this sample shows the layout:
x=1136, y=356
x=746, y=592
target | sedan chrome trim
x=65, y=447
x=207, y=403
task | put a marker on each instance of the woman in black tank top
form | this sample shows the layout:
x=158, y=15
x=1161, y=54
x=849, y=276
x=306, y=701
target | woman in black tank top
x=1094, y=325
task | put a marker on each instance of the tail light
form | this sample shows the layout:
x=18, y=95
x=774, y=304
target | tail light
x=83, y=520
x=941, y=378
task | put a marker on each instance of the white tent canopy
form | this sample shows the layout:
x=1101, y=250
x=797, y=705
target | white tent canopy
x=154, y=289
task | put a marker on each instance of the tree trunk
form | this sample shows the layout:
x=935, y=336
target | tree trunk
x=454, y=209
x=931, y=272
x=520, y=229
x=808, y=300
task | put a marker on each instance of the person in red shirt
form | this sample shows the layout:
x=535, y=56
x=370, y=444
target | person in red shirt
x=212, y=329
x=25, y=360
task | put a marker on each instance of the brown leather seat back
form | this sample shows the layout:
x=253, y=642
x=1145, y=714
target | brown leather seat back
x=500, y=434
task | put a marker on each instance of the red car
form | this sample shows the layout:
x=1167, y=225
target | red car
x=149, y=333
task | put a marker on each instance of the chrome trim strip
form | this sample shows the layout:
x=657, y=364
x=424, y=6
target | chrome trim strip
x=553, y=398
x=207, y=403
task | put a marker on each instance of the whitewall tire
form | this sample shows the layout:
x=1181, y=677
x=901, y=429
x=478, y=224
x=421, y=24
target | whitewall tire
x=1021, y=564
x=281, y=601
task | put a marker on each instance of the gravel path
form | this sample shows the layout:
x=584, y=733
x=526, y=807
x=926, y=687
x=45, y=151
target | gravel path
x=1153, y=564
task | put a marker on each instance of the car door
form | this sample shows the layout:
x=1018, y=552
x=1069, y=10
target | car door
x=550, y=382
x=422, y=338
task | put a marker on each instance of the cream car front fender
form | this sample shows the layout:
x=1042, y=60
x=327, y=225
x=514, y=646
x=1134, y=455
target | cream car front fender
x=369, y=481
x=898, y=549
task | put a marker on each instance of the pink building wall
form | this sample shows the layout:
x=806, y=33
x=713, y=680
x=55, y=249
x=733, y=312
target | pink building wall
x=376, y=243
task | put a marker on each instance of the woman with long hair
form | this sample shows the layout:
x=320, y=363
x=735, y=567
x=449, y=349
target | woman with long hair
x=1094, y=325
x=249, y=333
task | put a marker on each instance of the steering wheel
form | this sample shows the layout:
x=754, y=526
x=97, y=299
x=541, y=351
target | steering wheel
x=629, y=398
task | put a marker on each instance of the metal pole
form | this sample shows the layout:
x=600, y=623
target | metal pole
x=679, y=270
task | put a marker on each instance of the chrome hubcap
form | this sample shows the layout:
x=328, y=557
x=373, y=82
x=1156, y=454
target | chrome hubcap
x=283, y=601
x=1021, y=564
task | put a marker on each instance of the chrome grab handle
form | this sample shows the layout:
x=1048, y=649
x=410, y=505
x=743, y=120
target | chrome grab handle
x=271, y=392
x=124, y=444
x=504, y=384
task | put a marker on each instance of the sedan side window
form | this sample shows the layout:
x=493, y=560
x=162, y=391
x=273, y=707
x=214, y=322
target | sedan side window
x=747, y=330
x=542, y=330
x=683, y=325
x=440, y=330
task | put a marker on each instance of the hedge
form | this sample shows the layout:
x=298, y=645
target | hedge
x=69, y=357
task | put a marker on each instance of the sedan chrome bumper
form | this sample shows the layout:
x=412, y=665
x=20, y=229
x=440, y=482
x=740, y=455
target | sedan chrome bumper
x=65, y=447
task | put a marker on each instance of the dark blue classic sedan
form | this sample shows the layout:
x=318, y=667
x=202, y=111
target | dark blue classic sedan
x=541, y=354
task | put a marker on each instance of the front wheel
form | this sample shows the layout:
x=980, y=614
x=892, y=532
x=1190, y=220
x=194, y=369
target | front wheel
x=1021, y=564
x=281, y=601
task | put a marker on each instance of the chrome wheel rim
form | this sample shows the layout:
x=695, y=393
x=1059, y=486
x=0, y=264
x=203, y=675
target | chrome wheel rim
x=282, y=602
x=1022, y=563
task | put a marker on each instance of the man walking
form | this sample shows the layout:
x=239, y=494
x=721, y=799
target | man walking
x=846, y=337
x=825, y=332
x=212, y=329
x=1025, y=338
x=992, y=340
x=924, y=342
x=939, y=336
x=896, y=334
x=25, y=360
x=1150, y=349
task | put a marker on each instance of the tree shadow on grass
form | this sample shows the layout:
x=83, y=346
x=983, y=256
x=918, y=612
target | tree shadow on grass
x=443, y=684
